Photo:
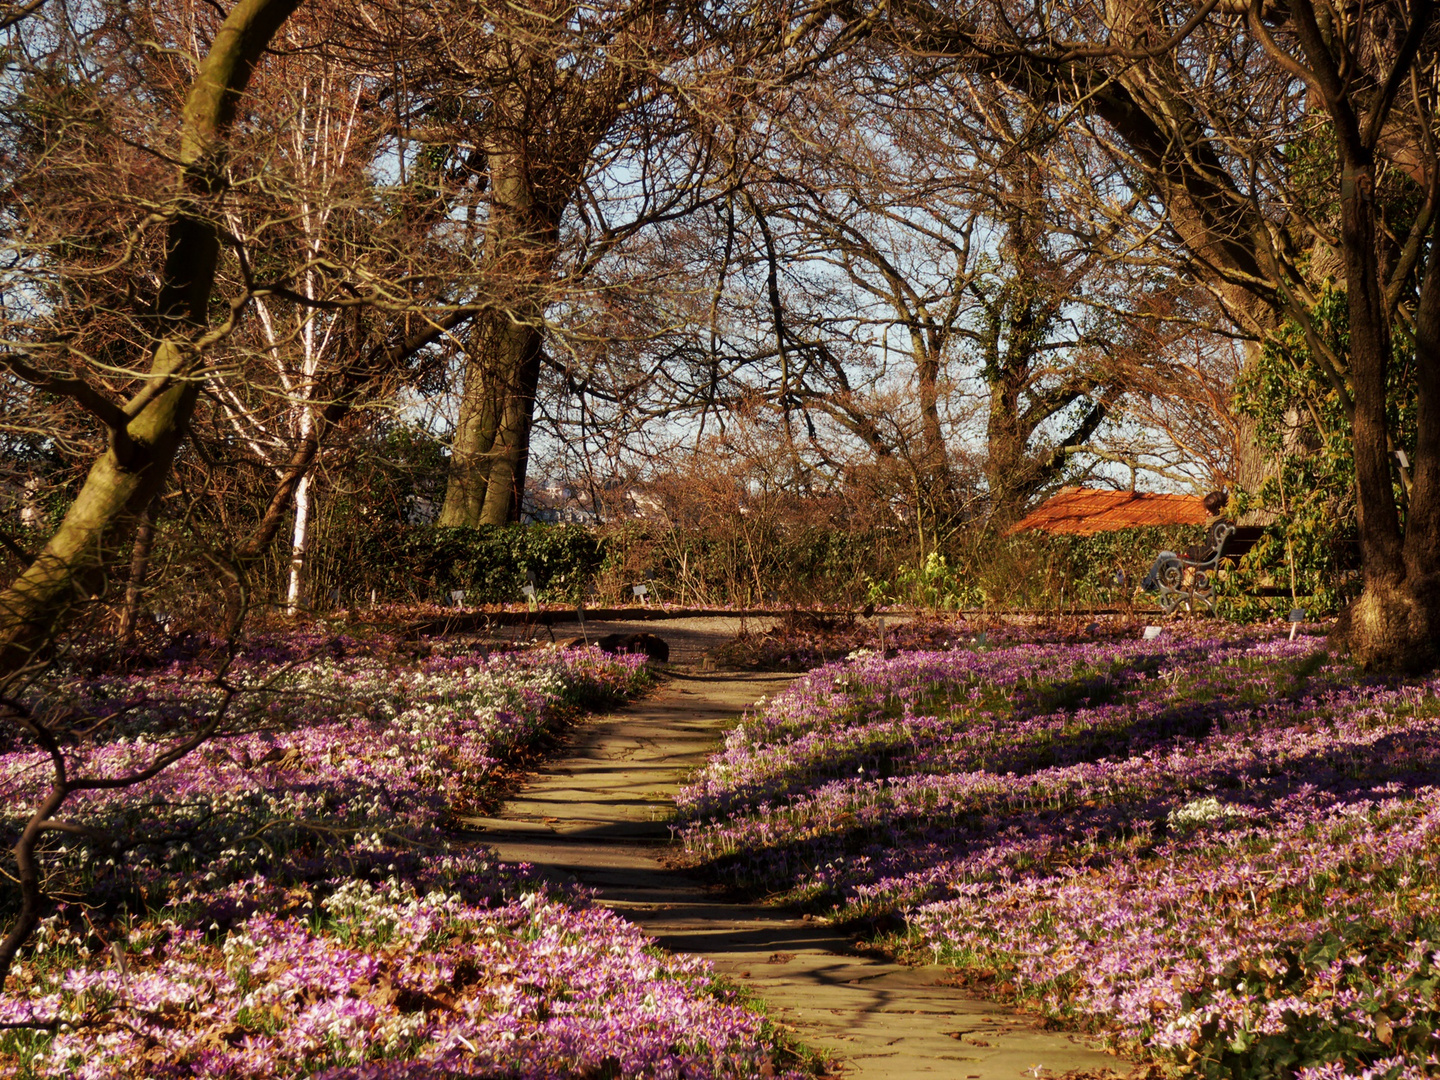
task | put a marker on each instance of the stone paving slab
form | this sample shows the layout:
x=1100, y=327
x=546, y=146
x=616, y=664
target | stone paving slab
x=600, y=814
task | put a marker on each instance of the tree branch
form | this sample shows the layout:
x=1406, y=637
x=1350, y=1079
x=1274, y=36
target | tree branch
x=98, y=404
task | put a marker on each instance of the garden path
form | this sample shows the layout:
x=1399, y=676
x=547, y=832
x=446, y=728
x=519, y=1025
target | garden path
x=692, y=640
x=599, y=813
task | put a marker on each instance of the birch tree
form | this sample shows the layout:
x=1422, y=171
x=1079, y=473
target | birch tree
x=303, y=341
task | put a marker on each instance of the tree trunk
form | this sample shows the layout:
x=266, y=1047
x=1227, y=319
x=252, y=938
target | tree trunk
x=1253, y=464
x=474, y=439
x=1395, y=623
x=299, y=547
x=1006, y=468
x=510, y=454
x=490, y=449
x=1422, y=523
x=497, y=409
x=938, y=481
x=932, y=435
x=139, y=565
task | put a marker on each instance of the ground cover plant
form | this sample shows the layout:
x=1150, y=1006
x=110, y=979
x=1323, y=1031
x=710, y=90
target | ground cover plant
x=1221, y=851
x=292, y=900
x=803, y=639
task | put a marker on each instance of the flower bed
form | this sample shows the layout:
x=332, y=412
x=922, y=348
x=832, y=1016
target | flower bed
x=1221, y=852
x=290, y=902
x=802, y=640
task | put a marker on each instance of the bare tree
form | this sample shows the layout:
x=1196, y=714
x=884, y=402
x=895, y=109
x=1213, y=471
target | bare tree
x=883, y=241
x=516, y=123
x=1200, y=108
x=146, y=427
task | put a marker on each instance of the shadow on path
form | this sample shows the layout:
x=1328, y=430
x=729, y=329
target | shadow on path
x=600, y=815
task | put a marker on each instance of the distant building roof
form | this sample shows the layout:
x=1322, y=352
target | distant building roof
x=1086, y=511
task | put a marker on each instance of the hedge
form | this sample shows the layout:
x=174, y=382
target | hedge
x=491, y=564
x=421, y=563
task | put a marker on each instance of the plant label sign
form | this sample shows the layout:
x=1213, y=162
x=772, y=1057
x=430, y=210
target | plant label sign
x=529, y=591
x=457, y=597
x=1152, y=632
x=641, y=592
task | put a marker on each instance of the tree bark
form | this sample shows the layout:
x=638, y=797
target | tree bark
x=139, y=565
x=1253, y=464
x=299, y=548
x=510, y=454
x=492, y=439
x=936, y=477
x=1422, y=520
x=1005, y=465
x=474, y=439
x=490, y=449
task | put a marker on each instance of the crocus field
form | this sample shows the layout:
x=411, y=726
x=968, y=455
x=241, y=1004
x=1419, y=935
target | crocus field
x=293, y=900
x=1222, y=853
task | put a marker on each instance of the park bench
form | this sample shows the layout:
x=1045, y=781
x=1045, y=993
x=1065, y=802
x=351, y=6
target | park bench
x=1190, y=578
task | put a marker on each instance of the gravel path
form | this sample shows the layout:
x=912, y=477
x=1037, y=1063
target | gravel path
x=599, y=815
